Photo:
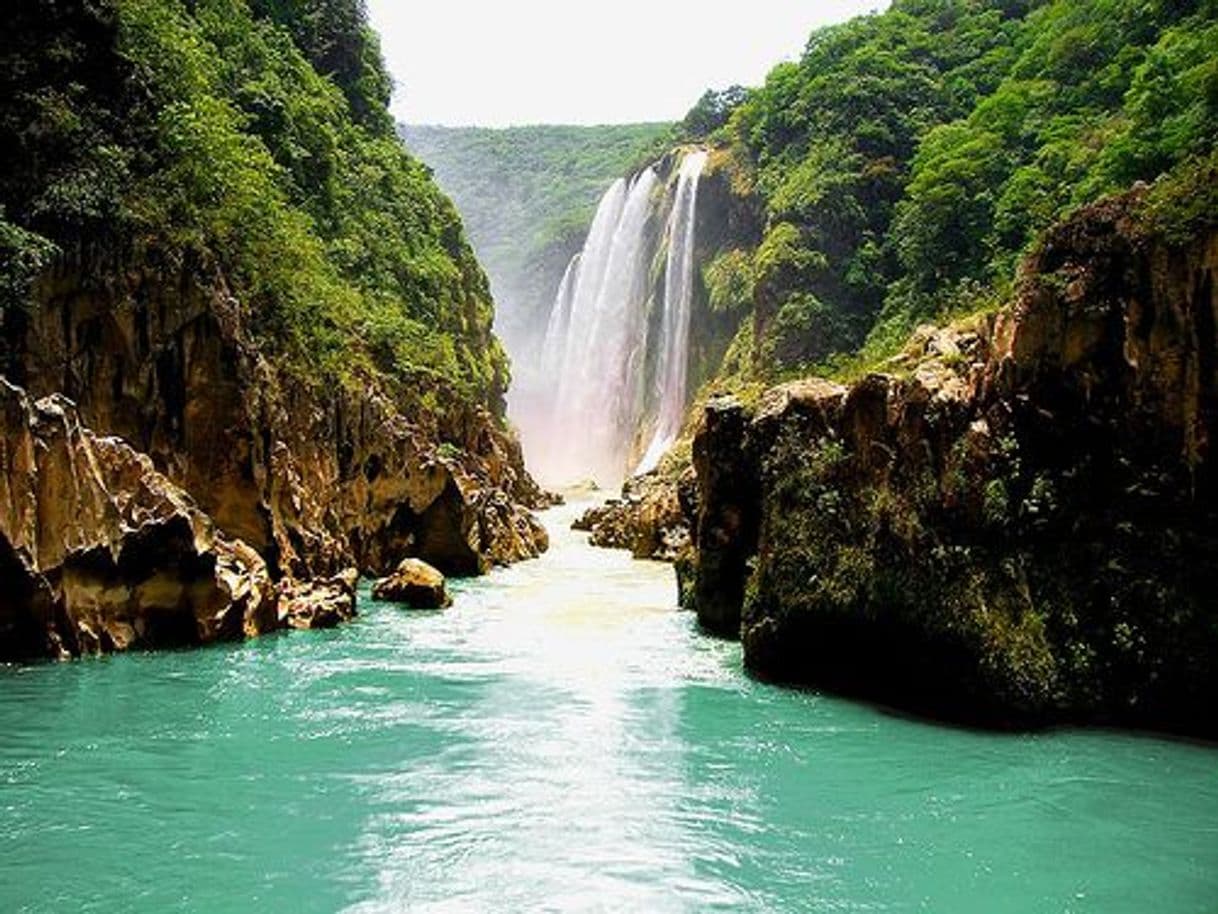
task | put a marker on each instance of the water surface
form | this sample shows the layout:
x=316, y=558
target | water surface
x=561, y=740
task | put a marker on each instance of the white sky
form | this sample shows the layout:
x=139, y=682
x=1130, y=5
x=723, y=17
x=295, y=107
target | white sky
x=488, y=63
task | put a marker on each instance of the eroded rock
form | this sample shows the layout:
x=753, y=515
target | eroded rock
x=316, y=478
x=99, y=552
x=414, y=583
x=320, y=603
x=1014, y=522
x=650, y=519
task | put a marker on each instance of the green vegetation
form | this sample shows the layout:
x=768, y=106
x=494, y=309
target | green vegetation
x=729, y=281
x=911, y=158
x=712, y=111
x=251, y=137
x=527, y=195
x=1185, y=202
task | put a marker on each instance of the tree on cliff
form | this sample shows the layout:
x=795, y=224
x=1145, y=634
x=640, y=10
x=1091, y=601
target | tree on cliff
x=712, y=110
x=918, y=153
x=336, y=38
x=255, y=137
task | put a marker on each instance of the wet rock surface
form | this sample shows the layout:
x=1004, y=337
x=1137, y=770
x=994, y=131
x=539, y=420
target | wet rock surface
x=651, y=519
x=1012, y=523
x=415, y=584
x=320, y=603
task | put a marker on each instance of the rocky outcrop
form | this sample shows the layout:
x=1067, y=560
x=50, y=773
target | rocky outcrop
x=651, y=519
x=320, y=603
x=316, y=478
x=99, y=552
x=414, y=583
x=1013, y=523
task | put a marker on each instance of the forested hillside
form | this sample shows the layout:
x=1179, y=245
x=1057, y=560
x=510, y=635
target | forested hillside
x=527, y=195
x=254, y=135
x=910, y=158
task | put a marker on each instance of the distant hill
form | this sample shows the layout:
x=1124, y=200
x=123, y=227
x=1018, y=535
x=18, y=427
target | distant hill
x=527, y=195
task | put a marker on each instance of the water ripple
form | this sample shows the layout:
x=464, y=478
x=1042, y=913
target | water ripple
x=562, y=739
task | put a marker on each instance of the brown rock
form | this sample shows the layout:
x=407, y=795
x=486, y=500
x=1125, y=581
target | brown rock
x=316, y=478
x=99, y=552
x=320, y=603
x=1015, y=523
x=648, y=519
x=414, y=583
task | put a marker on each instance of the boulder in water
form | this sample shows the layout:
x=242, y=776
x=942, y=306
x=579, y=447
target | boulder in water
x=322, y=603
x=414, y=583
x=652, y=519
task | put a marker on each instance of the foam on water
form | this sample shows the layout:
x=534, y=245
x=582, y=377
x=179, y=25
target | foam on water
x=562, y=739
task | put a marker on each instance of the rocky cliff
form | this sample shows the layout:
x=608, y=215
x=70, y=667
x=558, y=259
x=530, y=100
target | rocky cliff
x=307, y=481
x=99, y=552
x=214, y=249
x=1013, y=522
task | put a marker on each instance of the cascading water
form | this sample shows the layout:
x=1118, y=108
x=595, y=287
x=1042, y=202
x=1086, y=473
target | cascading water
x=560, y=320
x=596, y=405
x=672, y=365
x=597, y=349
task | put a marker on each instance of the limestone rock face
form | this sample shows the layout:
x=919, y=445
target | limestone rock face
x=649, y=519
x=415, y=583
x=316, y=478
x=100, y=552
x=1014, y=522
x=320, y=603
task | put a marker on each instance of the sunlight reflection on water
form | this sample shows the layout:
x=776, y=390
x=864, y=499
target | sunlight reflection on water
x=561, y=739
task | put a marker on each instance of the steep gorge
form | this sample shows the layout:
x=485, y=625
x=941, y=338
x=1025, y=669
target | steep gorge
x=308, y=420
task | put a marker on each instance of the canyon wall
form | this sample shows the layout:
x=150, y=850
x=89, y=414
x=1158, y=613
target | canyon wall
x=99, y=552
x=221, y=267
x=307, y=483
x=1011, y=523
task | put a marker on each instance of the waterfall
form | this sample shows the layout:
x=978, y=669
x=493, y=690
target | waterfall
x=597, y=350
x=560, y=320
x=673, y=362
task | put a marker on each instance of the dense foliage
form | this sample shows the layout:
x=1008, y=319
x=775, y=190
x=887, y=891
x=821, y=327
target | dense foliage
x=712, y=111
x=336, y=38
x=252, y=136
x=527, y=195
x=909, y=158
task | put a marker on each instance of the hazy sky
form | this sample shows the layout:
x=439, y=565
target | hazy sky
x=494, y=63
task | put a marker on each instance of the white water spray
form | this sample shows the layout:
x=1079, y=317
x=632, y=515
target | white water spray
x=672, y=366
x=597, y=350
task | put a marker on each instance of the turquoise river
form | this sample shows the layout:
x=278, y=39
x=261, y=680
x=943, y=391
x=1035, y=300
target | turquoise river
x=562, y=739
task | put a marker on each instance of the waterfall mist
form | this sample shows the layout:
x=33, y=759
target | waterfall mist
x=615, y=353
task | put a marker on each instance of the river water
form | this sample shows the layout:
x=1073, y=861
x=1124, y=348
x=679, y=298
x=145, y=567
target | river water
x=561, y=740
